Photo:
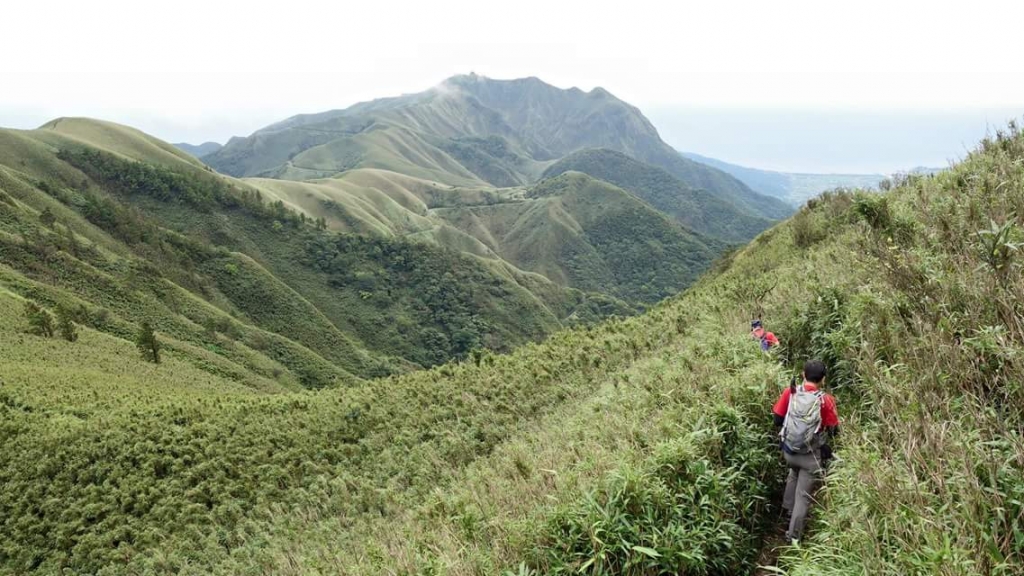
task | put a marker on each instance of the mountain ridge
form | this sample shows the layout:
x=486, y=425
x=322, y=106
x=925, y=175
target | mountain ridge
x=696, y=209
x=414, y=134
x=258, y=250
x=199, y=150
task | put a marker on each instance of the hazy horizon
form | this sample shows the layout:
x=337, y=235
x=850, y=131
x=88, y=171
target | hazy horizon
x=681, y=65
x=831, y=141
x=784, y=140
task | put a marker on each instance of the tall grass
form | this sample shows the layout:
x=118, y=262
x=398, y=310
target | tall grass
x=932, y=481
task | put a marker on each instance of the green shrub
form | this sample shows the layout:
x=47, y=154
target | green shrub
x=147, y=343
x=39, y=320
x=808, y=228
x=66, y=325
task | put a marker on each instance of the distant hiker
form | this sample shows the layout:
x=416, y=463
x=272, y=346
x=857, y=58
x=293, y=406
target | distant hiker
x=808, y=418
x=767, y=339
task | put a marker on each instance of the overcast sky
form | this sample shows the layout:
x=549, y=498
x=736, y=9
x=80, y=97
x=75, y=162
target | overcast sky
x=206, y=70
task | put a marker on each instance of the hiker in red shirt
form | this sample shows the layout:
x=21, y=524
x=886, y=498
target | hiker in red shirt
x=767, y=339
x=807, y=417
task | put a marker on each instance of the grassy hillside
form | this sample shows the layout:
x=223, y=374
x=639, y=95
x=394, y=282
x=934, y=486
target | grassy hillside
x=472, y=131
x=910, y=298
x=584, y=235
x=216, y=263
x=698, y=210
x=587, y=234
x=794, y=188
x=114, y=138
x=397, y=206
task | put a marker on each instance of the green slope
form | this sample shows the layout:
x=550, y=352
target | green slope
x=168, y=242
x=472, y=130
x=697, y=209
x=635, y=447
x=590, y=235
x=594, y=237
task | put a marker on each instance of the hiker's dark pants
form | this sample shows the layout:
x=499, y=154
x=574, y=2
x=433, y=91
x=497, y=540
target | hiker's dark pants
x=804, y=472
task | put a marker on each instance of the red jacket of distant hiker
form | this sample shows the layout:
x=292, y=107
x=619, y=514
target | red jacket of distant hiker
x=767, y=339
x=829, y=415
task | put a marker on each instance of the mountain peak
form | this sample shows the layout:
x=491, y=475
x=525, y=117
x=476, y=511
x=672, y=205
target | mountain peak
x=471, y=130
x=479, y=79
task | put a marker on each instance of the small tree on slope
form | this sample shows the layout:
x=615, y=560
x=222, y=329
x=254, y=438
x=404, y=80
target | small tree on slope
x=39, y=320
x=147, y=343
x=66, y=325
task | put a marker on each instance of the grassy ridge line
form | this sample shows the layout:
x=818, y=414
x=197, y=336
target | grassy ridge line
x=140, y=283
x=186, y=223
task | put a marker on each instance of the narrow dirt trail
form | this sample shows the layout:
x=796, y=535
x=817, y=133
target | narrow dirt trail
x=767, y=560
x=773, y=537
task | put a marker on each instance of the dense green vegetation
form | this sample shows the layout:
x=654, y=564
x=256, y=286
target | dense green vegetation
x=455, y=307
x=931, y=481
x=637, y=446
x=698, y=210
x=641, y=252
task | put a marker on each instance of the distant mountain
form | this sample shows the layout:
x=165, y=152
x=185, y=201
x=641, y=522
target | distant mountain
x=695, y=208
x=472, y=131
x=204, y=149
x=794, y=188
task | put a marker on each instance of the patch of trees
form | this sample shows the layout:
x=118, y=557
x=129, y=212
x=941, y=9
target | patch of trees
x=198, y=190
x=648, y=258
x=42, y=323
x=440, y=288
